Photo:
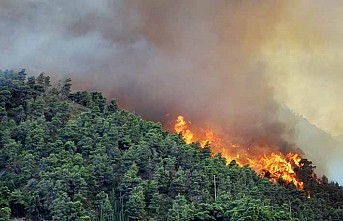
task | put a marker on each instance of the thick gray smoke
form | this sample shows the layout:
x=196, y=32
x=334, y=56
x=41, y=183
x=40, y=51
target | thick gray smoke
x=206, y=60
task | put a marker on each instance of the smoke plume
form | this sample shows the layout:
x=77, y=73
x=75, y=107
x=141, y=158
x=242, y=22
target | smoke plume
x=227, y=65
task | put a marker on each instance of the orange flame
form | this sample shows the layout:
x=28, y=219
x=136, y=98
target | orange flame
x=181, y=127
x=278, y=167
x=273, y=165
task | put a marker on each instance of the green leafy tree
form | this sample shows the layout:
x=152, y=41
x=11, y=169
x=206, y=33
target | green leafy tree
x=135, y=207
x=181, y=210
x=66, y=88
x=5, y=213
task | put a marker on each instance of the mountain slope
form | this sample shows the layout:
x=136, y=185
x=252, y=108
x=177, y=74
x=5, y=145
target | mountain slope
x=322, y=148
x=72, y=156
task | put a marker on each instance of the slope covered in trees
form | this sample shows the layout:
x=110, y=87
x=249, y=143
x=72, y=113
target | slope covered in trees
x=73, y=156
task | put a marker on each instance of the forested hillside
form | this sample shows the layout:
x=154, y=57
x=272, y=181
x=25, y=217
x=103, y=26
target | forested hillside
x=75, y=156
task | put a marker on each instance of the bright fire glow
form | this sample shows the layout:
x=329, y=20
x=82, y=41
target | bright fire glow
x=181, y=127
x=308, y=195
x=272, y=165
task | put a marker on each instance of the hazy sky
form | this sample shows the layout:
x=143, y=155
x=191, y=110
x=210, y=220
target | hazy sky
x=304, y=60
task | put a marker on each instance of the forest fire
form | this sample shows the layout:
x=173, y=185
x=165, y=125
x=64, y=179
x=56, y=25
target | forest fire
x=272, y=165
x=181, y=127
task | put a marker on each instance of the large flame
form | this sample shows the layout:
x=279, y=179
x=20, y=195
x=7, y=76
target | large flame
x=272, y=165
x=181, y=126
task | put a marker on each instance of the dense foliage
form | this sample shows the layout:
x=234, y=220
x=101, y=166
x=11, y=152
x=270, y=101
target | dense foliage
x=73, y=156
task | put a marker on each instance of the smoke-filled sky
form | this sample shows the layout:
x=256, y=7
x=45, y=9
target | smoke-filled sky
x=227, y=64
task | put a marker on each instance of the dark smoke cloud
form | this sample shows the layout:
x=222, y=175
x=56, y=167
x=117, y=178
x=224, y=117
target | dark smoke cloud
x=202, y=59
x=209, y=74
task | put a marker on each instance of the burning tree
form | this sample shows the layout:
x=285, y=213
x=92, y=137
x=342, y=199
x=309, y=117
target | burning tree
x=274, y=165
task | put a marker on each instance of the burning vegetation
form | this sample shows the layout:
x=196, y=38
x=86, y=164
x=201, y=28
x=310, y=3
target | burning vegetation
x=272, y=165
x=78, y=156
